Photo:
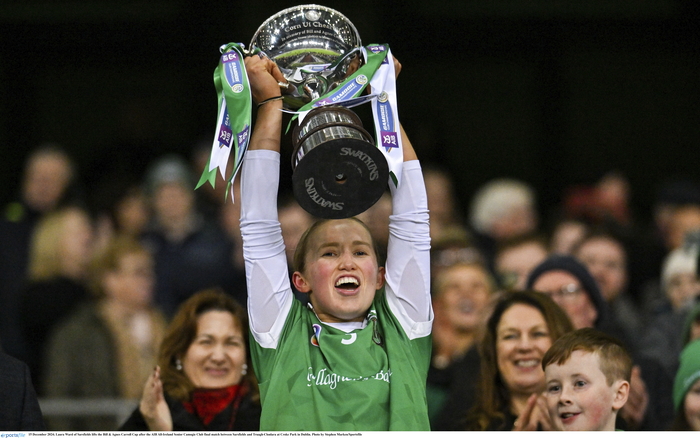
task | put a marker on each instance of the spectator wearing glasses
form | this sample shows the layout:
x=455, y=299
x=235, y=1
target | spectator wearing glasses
x=571, y=286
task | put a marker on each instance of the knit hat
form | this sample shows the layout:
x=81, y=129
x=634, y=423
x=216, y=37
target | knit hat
x=688, y=372
x=574, y=267
x=169, y=169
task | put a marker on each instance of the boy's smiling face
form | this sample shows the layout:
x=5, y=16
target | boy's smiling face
x=578, y=394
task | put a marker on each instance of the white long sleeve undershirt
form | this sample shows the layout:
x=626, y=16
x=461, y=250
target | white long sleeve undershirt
x=269, y=290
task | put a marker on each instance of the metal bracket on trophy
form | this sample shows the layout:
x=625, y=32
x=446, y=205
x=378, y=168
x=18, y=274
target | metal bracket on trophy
x=339, y=170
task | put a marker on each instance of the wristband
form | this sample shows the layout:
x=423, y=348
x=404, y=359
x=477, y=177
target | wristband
x=272, y=99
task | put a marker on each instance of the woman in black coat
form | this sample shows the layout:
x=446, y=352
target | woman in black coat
x=202, y=381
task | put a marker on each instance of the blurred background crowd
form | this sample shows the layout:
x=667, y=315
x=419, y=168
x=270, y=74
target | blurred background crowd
x=559, y=147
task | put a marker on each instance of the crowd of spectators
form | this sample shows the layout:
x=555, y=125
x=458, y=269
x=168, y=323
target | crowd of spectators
x=75, y=279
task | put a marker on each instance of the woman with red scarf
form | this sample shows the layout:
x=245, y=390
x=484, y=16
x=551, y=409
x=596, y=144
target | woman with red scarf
x=202, y=381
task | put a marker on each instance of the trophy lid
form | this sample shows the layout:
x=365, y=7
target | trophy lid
x=306, y=35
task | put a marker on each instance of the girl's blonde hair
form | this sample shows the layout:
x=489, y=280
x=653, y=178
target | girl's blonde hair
x=45, y=261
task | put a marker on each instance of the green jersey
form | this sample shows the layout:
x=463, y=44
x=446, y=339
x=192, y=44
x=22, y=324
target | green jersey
x=348, y=376
x=322, y=378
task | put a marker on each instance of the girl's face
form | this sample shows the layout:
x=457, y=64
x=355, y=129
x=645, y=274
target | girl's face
x=341, y=274
x=691, y=406
x=216, y=356
x=522, y=338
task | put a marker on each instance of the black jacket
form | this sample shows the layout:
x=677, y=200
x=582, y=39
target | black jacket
x=20, y=408
x=247, y=418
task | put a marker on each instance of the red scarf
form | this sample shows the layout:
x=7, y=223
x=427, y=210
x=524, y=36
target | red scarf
x=208, y=403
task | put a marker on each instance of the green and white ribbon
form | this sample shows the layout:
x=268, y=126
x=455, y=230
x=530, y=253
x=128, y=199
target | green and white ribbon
x=349, y=92
x=234, y=115
x=235, y=108
x=378, y=72
x=386, y=114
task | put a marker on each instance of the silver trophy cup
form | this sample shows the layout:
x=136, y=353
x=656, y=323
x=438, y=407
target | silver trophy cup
x=338, y=170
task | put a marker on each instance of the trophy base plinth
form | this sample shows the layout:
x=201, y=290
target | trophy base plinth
x=340, y=179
